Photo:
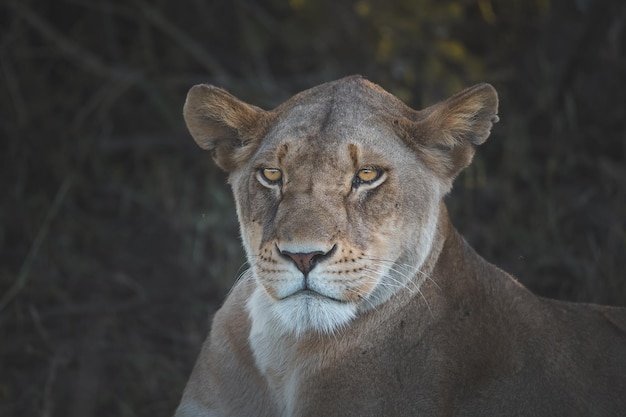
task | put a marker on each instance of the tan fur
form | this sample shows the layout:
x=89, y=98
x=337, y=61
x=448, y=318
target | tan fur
x=361, y=298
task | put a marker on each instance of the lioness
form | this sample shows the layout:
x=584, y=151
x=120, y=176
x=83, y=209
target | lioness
x=361, y=298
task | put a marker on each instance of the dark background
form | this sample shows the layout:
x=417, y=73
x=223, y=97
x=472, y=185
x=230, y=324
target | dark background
x=118, y=237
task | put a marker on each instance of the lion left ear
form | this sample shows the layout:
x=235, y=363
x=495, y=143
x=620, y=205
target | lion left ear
x=221, y=123
x=446, y=133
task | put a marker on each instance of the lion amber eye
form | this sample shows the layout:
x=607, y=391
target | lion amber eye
x=367, y=175
x=272, y=175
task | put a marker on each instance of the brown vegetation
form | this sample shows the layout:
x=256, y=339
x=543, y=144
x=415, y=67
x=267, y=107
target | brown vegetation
x=118, y=237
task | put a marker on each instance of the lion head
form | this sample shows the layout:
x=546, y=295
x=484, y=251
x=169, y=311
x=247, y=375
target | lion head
x=338, y=191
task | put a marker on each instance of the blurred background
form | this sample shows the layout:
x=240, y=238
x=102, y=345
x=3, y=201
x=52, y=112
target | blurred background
x=118, y=236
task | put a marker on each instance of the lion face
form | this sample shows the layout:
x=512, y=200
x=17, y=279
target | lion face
x=337, y=191
x=324, y=217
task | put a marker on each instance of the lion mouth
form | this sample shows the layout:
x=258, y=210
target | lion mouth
x=308, y=293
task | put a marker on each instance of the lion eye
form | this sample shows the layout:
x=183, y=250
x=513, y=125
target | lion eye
x=271, y=175
x=367, y=176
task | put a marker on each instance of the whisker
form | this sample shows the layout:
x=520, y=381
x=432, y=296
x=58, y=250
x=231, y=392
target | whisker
x=240, y=271
x=353, y=291
x=409, y=284
x=410, y=269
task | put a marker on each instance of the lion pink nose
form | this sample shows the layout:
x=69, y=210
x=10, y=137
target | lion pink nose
x=306, y=261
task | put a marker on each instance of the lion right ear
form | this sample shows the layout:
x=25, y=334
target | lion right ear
x=226, y=126
x=447, y=133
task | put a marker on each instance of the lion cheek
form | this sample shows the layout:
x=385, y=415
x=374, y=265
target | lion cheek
x=251, y=236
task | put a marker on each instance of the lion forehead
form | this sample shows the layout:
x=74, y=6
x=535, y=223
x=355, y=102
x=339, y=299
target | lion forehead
x=354, y=109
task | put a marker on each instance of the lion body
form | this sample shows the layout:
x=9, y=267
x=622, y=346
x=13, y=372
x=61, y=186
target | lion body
x=362, y=299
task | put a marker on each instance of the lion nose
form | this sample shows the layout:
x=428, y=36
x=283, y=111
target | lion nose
x=306, y=261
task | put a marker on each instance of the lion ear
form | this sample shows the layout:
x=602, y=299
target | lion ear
x=449, y=131
x=221, y=123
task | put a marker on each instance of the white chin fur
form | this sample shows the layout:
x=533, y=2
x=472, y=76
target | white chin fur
x=298, y=314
